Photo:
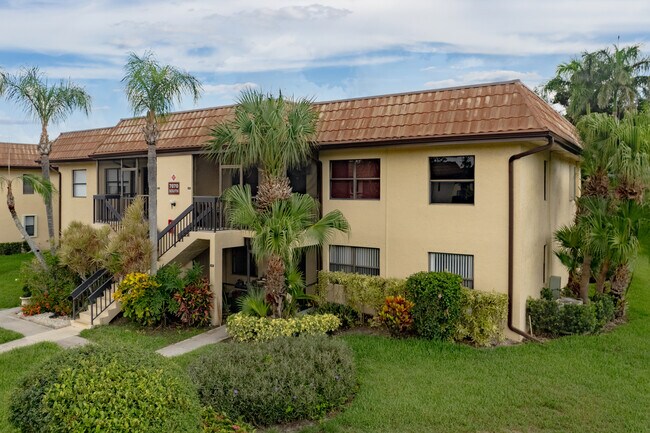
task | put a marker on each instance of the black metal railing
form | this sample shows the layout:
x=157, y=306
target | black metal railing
x=204, y=214
x=110, y=208
x=94, y=294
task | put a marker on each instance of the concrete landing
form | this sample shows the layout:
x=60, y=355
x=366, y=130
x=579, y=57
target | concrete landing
x=210, y=337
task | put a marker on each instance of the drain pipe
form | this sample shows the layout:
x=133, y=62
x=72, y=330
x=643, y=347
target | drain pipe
x=511, y=231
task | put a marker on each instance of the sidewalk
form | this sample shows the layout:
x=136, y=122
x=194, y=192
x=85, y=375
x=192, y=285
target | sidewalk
x=35, y=333
x=210, y=337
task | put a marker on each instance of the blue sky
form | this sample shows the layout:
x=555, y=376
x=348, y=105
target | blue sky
x=320, y=49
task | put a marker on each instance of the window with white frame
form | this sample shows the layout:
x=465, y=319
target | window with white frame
x=451, y=179
x=354, y=260
x=28, y=187
x=29, y=222
x=79, y=183
x=459, y=264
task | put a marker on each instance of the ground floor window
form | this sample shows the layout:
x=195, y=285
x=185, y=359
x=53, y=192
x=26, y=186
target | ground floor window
x=460, y=264
x=29, y=221
x=354, y=259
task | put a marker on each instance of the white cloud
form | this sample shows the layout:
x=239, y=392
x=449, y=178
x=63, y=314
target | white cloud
x=530, y=78
x=469, y=63
x=228, y=89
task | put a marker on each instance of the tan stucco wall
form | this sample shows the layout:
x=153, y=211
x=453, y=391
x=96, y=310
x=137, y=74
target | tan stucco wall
x=27, y=204
x=77, y=208
x=405, y=227
x=181, y=167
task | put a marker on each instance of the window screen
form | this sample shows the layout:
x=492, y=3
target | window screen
x=354, y=259
x=460, y=264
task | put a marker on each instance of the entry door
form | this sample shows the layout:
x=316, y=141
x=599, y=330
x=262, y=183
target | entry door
x=229, y=175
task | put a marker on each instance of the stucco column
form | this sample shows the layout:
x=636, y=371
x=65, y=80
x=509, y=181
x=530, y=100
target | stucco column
x=216, y=281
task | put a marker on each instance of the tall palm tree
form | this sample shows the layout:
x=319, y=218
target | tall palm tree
x=48, y=103
x=41, y=186
x=281, y=231
x=271, y=133
x=152, y=90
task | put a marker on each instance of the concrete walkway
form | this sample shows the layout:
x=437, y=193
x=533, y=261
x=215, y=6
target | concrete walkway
x=35, y=333
x=209, y=337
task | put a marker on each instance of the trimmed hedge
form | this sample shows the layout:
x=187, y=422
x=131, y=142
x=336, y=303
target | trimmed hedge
x=279, y=381
x=243, y=327
x=437, y=298
x=11, y=248
x=107, y=389
x=483, y=317
x=362, y=292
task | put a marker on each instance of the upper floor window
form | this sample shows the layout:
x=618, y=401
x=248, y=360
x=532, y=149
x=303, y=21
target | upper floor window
x=354, y=259
x=28, y=188
x=78, y=183
x=29, y=221
x=451, y=179
x=112, y=180
x=355, y=179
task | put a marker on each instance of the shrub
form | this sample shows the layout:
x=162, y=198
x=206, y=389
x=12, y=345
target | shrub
x=141, y=299
x=605, y=308
x=130, y=250
x=254, y=303
x=50, y=287
x=83, y=248
x=194, y=303
x=437, y=297
x=482, y=318
x=243, y=327
x=10, y=248
x=214, y=422
x=396, y=315
x=274, y=382
x=346, y=314
x=107, y=389
x=362, y=292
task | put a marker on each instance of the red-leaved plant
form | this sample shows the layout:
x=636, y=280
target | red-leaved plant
x=396, y=315
x=194, y=303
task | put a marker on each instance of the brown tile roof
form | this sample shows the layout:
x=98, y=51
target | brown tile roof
x=76, y=145
x=486, y=110
x=19, y=155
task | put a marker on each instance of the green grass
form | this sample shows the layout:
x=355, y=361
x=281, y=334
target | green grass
x=130, y=334
x=10, y=289
x=7, y=335
x=14, y=365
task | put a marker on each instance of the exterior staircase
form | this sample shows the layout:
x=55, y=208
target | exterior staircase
x=92, y=300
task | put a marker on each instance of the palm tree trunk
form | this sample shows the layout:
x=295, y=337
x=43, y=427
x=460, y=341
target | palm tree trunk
x=275, y=284
x=11, y=204
x=151, y=137
x=602, y=276
x=271, y=189
x=584, y=278
x=44, y=147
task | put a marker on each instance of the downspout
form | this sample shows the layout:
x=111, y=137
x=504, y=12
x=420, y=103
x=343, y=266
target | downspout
x=511, y=230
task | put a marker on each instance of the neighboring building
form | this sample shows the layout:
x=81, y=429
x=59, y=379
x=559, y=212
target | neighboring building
x=428, y=181
x=15, y=160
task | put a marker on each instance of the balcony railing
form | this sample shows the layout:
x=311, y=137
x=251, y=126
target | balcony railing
x=110, y=208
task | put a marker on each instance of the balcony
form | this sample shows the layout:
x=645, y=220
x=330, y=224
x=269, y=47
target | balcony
x=109, y=208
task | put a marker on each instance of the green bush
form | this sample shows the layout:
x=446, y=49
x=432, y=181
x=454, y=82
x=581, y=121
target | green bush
x=243, y=327
x=362, y=292
x=483, y=317
x=50, y=287
x=552, y=319
x=283, y=380
x=214, y=422
x=437, y=298
x=107, y=389
x=10, y=248
x=142, y=299
x=348, y=316
x=83, y=248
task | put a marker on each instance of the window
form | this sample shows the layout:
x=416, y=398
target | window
x=28, y=188
x=355, y=179
x=78, y=183
x=460, y=264
x=112, y=180
x=239, y=262
x=451, y=179
x=545, y=178
x=29, y=221
x=354, y=260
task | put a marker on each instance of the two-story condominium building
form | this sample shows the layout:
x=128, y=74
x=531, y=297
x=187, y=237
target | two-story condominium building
x=15, y=161
x=472, y=180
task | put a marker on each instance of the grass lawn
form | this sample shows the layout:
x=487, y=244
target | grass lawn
x=7, y=335
x=10, y=289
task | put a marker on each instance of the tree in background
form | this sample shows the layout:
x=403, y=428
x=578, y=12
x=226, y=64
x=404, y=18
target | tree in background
x=152, y=90
x=612, y=81
x=49, y=104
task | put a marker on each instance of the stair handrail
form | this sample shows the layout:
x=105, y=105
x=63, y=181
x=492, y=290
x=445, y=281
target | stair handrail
x=170, y=236
x=89, y=290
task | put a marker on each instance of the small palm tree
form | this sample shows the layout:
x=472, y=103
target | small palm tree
x=152, y=90
x=271, y=133
x=49, y=104
x=281, y=232
x=42, y=187
x=569, y=253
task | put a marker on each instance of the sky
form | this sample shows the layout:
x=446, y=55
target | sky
x=324, y=50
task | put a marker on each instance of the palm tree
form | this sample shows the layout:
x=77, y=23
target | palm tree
x=271, y=133
x=281, y=232
x=49, y=104
x=152, y=89
x=570, y=239
x=41, y=186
